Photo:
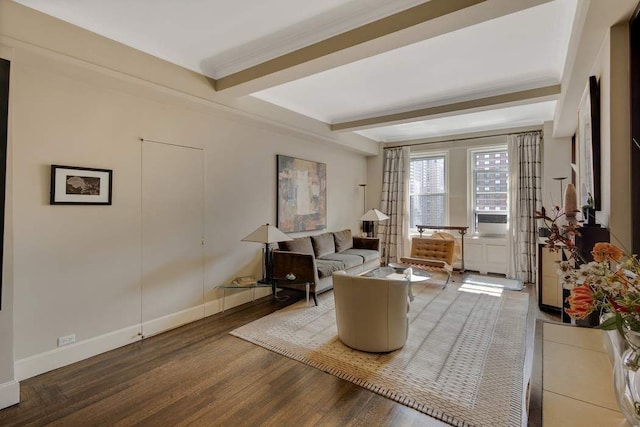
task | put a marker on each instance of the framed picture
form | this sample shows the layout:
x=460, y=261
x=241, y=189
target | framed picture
x=302, y=195
x=72, y=185
x=588, y=141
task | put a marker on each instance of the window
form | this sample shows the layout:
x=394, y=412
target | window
x=490, y=175
x=427, y=191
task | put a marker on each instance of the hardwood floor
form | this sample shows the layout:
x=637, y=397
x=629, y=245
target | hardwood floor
x=200, y=375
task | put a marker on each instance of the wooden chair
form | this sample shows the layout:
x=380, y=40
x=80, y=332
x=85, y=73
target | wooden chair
x=432, y=254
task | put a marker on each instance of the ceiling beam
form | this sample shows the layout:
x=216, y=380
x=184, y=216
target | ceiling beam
x=413, y=16
x=546, y=93
x=421, y=22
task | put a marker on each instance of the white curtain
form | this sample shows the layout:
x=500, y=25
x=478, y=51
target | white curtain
x=394, y=202
x=524, y=200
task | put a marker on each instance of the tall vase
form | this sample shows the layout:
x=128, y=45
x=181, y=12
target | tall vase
x=627, y=379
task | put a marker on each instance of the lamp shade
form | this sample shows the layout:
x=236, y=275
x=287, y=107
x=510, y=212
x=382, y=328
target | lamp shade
x=373, y=215
x=267, y=234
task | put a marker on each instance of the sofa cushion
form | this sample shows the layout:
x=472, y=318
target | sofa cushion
x=327, y=267
x=343, y=240
x=366, y=254
x=300, y=244
x=348, y=260
x=323, y=244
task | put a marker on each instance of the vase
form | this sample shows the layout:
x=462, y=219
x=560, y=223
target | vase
x=627, y=378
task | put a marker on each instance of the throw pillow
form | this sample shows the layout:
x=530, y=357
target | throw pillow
x=299, y=244
x=343, y=240
x=323, y=244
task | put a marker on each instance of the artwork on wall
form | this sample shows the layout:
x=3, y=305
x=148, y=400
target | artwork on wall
x=4, y=125
x=588, y=141
x=72, y=185
x=302, y=195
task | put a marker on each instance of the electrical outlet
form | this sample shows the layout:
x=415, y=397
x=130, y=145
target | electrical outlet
x=66, y=340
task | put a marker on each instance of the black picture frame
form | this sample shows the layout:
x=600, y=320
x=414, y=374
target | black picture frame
x=5, y=71
x=73, y=185
x=588, y=144
x=594, y=95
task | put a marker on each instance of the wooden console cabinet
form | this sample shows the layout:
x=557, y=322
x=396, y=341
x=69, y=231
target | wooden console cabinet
x=549, y=285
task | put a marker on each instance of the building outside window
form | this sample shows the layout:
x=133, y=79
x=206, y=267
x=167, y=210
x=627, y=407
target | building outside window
x=490, y=175
x=428, y=191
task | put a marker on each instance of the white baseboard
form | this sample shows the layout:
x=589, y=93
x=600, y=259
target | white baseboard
x=172, y=321
x=9, y=394
x=63, y=356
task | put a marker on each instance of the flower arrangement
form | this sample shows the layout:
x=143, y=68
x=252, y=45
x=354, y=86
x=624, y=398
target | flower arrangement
x=608, y=284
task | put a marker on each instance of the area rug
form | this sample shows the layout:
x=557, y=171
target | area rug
x=465, y=361
x=500, y=282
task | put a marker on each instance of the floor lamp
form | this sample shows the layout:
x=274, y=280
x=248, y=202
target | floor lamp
x=267, y=234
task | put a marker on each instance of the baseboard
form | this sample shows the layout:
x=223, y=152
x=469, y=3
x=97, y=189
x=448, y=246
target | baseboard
x=9, y=394
x=63, y=356
x=172, y=321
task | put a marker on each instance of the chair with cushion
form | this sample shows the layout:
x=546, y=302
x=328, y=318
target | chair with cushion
x=432, y=254
x=371, y=313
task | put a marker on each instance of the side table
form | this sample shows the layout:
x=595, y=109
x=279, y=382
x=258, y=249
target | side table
x=236, y=286
x=295, y=284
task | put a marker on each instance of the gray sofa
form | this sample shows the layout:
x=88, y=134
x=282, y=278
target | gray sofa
x=314, y=259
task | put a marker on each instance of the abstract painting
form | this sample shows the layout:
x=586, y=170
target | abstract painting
x=302, y=195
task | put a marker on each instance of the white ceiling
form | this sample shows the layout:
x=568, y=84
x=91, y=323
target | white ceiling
x=515, y=52
x=511, y=53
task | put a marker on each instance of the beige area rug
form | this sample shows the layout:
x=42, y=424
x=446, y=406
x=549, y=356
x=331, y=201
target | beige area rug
x=465, y=361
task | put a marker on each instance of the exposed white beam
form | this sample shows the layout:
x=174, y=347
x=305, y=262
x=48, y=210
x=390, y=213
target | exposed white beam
x=421, y=22
x=522, y=97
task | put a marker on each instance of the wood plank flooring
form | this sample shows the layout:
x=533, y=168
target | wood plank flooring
x=200, y=375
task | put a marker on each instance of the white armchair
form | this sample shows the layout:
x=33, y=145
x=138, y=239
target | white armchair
x=371, y=313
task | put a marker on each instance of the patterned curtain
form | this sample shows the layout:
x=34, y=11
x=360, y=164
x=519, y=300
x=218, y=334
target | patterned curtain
x=394, y=202
x=524, y=200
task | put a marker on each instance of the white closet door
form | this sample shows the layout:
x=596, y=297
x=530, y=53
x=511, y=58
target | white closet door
x=172, y=234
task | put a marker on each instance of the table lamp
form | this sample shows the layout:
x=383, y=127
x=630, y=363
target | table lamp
x=266, y=234
x=369, y=219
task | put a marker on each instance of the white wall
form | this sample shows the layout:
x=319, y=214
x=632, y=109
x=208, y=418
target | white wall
x=617, y=120
x=556, y=163
x=9, y=388
x=77, y=269
x=612, y=69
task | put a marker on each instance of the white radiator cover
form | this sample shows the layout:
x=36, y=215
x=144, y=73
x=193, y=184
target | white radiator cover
x=485, y=254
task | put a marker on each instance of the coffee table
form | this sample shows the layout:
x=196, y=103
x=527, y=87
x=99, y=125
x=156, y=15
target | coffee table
x=398, y=271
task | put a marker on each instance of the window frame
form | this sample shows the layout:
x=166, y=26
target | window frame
x=471, y=183
x=420, y=155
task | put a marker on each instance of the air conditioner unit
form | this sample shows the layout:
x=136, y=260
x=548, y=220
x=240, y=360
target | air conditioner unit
x=491, y=223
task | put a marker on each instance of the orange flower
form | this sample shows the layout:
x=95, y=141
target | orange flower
x=604, y=251
x=581, y=302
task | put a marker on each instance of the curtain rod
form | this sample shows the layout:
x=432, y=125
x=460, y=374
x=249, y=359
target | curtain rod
x=465, y=139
